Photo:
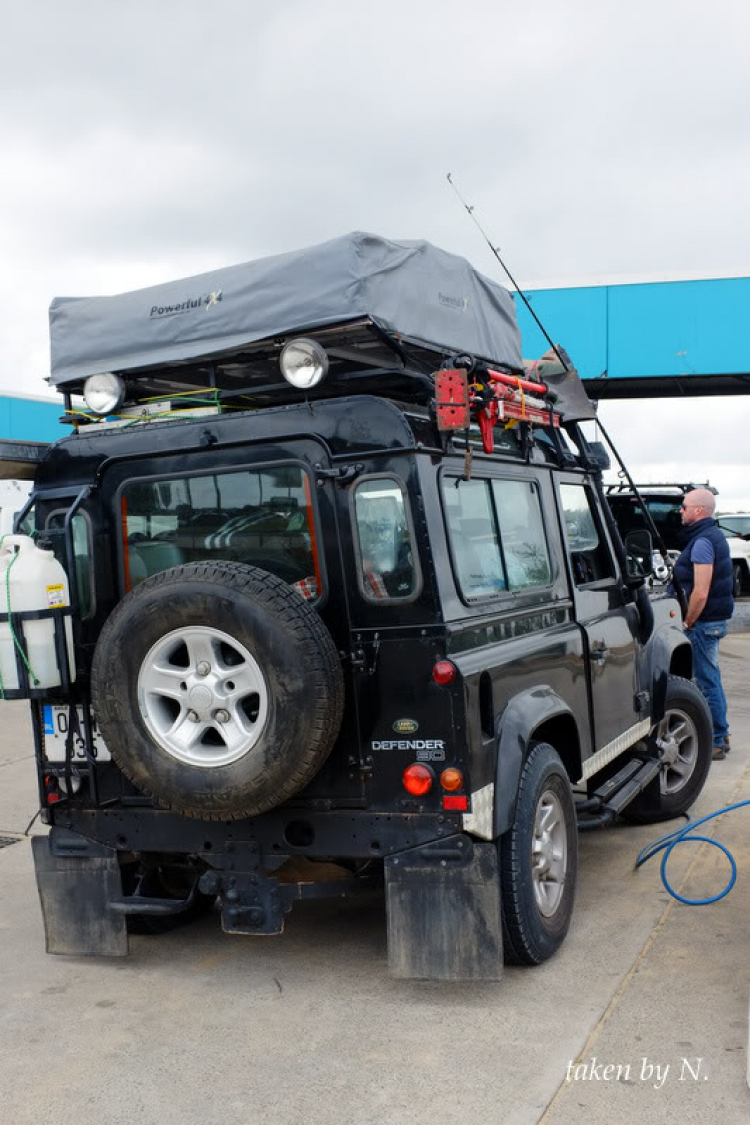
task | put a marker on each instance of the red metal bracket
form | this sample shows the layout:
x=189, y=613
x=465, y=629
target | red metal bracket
x=452, y=399
x=487, y=418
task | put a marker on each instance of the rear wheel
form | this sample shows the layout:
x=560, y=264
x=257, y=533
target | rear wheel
x=539, y=860
x=683, y=741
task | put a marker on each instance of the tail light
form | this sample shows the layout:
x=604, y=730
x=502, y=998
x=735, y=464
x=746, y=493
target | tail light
x=417, y=779
x=444, y=672
x=51, y=790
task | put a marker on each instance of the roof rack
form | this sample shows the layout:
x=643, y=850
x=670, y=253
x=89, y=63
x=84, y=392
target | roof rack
x=624, y=486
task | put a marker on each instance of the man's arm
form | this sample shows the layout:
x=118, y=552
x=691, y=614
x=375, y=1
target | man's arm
x=702, y=575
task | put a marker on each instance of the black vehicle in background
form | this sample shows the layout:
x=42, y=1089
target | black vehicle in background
x=350, y=609
x=662, y=503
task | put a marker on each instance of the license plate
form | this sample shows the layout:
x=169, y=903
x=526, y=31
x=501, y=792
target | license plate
x=56, y=722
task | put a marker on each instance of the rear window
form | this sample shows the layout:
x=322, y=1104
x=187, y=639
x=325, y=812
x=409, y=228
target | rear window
x=387, y=559
x=261, y=517
x=665, y=512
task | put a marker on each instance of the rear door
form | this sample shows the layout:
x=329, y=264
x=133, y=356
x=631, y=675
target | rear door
x=269, y=506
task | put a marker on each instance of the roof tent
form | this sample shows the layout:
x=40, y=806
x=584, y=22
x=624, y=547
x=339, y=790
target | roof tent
x=374, y=298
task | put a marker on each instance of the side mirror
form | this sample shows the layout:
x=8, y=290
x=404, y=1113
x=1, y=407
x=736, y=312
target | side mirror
x=639, y=551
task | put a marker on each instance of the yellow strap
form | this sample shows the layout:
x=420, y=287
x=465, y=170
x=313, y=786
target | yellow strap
x=523, y=400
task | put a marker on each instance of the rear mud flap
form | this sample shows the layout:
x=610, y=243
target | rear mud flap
x=76, y=881
x=443, y=908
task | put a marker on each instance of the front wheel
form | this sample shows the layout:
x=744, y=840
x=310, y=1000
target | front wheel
x=683, y=741
x=539, y=861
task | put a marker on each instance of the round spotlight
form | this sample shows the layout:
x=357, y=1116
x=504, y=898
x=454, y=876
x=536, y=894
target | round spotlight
x=303, y=363
x=104, y=394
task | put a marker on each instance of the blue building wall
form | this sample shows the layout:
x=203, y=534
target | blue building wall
x=28, y=419
x=654, y=330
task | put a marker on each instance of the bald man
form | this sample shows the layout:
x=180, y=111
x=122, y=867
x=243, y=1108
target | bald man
x=704, y=572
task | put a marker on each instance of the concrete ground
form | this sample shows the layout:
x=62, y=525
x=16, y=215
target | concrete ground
x=198, y=1027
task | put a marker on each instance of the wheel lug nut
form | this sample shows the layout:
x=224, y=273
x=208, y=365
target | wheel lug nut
x=222, y=716
x=193, y=716
x=203, y=668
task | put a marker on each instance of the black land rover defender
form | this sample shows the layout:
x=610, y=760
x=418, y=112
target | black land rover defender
x=349, y=609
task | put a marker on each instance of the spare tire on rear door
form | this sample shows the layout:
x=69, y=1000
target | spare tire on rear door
x=218, y=689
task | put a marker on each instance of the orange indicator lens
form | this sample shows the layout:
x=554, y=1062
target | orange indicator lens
x=451, y=779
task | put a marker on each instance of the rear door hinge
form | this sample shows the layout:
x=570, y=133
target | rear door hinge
x=342, y=474
x=642, y=701
x=364, y=658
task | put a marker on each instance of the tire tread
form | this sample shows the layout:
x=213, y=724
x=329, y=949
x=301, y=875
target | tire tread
x=307, y=630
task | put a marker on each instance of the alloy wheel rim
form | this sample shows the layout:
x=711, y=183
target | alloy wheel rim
x=677, y=743
x=202, y=696
x=549, y=853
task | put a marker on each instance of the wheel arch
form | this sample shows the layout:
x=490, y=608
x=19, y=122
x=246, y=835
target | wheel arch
x=538, y=714
x=669, y=654
x=681, y=662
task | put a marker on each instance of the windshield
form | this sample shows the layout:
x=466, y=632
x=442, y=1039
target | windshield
x=734, y=525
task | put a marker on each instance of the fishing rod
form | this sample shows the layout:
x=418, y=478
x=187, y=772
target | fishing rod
x=470, y=211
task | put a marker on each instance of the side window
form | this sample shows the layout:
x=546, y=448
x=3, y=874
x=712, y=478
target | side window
x=387, y=568
x=522, y=533
x=261, y=517
x=473, y=535
x=55, y=532
x=588, y=550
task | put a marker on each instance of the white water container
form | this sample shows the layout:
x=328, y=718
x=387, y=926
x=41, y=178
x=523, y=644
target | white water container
x=37, y=581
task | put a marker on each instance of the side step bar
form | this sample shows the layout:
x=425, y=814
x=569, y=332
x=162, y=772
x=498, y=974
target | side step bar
x=614, y=795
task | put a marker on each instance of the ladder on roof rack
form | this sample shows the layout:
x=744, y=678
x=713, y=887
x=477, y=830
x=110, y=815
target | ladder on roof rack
x=490, y=398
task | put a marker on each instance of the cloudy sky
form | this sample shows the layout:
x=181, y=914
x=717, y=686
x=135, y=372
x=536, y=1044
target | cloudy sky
x=596, y=139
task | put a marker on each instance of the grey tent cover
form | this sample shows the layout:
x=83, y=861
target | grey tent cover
x=411, y=288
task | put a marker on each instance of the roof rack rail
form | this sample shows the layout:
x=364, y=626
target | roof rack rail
x=624, y=486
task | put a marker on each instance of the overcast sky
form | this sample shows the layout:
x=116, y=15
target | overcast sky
x=146, y=141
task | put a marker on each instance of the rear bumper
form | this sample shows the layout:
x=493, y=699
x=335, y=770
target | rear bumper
x=350, y=833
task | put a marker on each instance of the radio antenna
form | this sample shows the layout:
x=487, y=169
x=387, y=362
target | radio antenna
x=470, y=212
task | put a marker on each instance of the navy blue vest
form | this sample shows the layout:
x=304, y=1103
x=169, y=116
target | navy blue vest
x=720, y=604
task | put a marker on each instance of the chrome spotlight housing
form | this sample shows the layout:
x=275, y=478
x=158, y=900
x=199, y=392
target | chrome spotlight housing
x=104, y=394
x=303, y=363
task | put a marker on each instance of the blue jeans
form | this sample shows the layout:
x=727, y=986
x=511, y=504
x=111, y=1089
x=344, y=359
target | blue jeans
x=704, y=637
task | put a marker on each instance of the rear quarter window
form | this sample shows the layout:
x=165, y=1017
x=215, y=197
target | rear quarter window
x=387, y=567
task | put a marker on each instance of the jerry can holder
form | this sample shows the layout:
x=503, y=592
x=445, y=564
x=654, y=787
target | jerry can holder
x=26, y=688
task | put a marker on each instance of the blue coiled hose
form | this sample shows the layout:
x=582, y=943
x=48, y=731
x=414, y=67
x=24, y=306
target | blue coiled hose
x=681, y=835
